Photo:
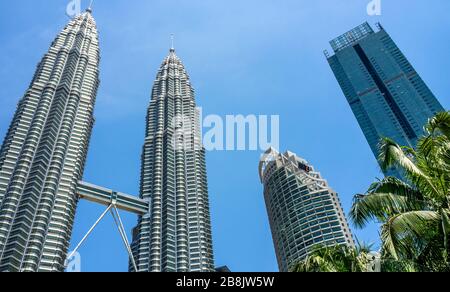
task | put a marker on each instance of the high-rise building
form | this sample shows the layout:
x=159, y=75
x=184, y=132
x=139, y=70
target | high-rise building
x=176, y=234
x=43, y=155
x=386, y=94
x=303, y=210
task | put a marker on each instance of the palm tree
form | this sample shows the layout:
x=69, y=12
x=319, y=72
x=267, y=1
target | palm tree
x=346, y=259
x=339, y=258
x=414, y=213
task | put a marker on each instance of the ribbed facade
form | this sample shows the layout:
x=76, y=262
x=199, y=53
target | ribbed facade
x=44, y=152
x=176, y=234
x=303, y=210
x=386, y=94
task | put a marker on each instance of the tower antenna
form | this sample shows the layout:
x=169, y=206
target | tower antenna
x=172, y=39
x=90, y=5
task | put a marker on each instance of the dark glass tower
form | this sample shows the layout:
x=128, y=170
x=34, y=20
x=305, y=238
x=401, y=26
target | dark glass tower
x=386, y=94
x=176, y=234
x=43, y=155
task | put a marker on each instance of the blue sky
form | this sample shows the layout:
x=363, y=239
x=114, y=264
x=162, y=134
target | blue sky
x=244, y=57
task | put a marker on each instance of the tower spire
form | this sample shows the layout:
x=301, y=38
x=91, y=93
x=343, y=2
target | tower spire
x=89, y=9
x=172, y=39
x=161, y=249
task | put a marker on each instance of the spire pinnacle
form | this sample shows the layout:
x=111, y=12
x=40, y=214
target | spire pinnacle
x=89, y=9
x=172, y=38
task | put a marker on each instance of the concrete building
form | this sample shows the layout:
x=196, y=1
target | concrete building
x=43, y=155
x=303, y=210
x=176, y=233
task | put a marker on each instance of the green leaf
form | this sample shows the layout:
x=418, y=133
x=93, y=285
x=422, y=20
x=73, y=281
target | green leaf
x=441, y=123
x=403, y=230
x=446, y=227
x=381, y=206
x=393, y=155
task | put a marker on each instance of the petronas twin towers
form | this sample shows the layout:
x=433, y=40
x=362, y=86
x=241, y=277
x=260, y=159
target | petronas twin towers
x=43, y=155
x=176, y=233
x=42, y=158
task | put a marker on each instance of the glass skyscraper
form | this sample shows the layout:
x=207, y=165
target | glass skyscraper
x=386, y=94
x=43, y=155
x=175, y=236
x=303, y=210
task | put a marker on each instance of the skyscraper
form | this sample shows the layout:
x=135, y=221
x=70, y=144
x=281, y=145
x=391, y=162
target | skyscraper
x=386, y=94
x=176, y=234
x=303, y=210
x=44, y=152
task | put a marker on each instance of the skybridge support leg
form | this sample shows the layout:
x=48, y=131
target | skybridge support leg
x=118, y=220
x=119, y=224
x=88, y=233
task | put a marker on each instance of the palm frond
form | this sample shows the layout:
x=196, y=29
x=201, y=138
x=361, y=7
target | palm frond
x=380, y=206
x=400, y=233
x=363, y=247
x=392, y=155
x=440, y=123
x=315, y=263
x=433, y=158
x=393, y=185
x=446, y=227
x=338, y=258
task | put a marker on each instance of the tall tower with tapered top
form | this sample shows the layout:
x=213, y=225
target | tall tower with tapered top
x=176, y=233
x=43, y=155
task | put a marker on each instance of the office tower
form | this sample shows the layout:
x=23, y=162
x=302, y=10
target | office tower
x=386, y=94
x=303, y=210
x=44, y=152
x=176, y=234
